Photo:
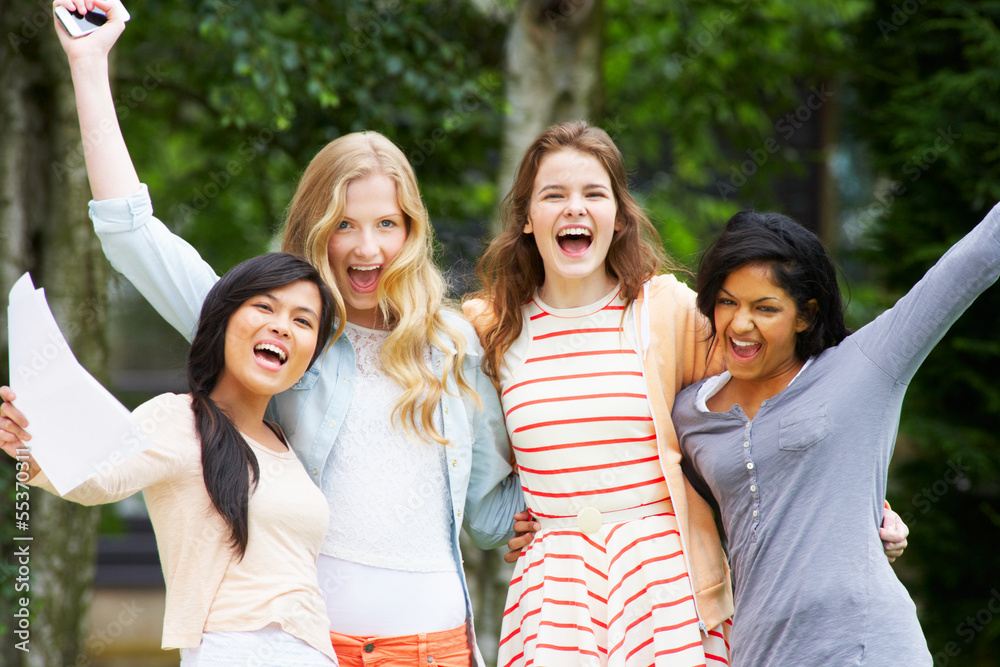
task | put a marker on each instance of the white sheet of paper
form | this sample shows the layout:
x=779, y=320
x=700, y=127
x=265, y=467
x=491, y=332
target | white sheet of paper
x=77, y=427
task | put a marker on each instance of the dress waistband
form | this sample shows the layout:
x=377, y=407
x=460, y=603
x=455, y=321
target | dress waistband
x=590, y=519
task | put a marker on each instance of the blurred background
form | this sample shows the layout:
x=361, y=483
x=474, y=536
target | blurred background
x=875, y=123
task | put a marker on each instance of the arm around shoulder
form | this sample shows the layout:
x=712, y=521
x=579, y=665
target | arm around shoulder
x=167, y=271
x=494, y=492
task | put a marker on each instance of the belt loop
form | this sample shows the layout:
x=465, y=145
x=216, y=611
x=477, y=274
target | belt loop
x=422, y=649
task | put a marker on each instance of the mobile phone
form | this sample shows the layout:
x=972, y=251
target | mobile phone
x=78, y=25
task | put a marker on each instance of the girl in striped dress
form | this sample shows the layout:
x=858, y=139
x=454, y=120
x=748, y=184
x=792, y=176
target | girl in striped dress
x=588, y=349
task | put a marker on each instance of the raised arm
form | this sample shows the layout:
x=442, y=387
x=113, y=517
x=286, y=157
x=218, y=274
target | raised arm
x=109, y=166
x=902, y=337
x=170, y=453
x=162, y=266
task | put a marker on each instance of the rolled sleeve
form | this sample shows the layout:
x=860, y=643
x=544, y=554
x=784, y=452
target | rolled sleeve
x=166, y=270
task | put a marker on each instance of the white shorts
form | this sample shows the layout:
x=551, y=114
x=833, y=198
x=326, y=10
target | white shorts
x=268, y=647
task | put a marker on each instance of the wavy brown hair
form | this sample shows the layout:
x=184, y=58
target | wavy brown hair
x=511, y=270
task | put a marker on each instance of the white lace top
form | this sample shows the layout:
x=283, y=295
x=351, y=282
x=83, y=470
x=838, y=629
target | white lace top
x=388, y=493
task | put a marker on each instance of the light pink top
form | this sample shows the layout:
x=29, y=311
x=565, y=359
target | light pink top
x=207, y=588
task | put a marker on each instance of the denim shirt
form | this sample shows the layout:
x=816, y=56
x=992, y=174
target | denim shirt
x=173, y=277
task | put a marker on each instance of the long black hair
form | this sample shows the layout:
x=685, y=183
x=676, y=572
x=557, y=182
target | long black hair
x=799, y=265
x=225, y=454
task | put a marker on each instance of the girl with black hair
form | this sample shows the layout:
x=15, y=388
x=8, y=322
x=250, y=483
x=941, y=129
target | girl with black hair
x=798, y=433
x=237, y=522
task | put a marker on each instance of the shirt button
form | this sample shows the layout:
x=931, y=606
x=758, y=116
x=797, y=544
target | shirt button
x=332, y=424
x=755, y=512
x=437, y=363
x=315, y=471
x=746, y=443
x=750, y=466
x=460, y=514
x=348, y=381
x=454, y=462
x=753, y=488
x=369, y=647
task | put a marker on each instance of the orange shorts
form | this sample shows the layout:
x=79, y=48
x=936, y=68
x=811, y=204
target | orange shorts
x=449, y=648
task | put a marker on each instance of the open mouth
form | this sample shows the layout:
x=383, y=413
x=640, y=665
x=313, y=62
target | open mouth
x=574, y=240
x=364, y=278
x=270, y=355
x=743, y=349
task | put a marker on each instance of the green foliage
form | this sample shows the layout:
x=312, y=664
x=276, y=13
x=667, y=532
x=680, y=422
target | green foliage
x=704, y=94
x=928, y=108
x=253, y=92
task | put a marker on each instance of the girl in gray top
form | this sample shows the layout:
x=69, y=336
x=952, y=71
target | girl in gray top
x=798, y=434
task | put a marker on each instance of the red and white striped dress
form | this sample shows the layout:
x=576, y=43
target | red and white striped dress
x=580, y=423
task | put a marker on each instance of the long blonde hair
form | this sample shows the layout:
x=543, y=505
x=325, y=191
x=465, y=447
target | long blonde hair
x=411, y=290
x=511, y=268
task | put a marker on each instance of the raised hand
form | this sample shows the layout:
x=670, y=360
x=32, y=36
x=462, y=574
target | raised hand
x=98, y=43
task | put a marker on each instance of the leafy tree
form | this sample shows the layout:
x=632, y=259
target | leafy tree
x=44, y=229
x=717, y=102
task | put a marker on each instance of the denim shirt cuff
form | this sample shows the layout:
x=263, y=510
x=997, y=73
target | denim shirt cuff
x=123, y=214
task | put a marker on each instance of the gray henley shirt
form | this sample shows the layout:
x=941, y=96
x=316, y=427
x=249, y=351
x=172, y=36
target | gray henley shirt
x=801, y=486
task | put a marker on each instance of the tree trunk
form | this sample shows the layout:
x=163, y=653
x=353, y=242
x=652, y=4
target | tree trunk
x=553, y=72
x=44, y=229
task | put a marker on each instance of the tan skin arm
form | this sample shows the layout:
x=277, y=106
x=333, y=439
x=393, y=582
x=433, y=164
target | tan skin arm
x=893, y=534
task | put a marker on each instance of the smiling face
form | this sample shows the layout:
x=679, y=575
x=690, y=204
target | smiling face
x=372, y=232
x=270, y=340
x=572, y=215
x=758, y=323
